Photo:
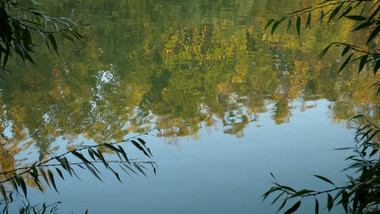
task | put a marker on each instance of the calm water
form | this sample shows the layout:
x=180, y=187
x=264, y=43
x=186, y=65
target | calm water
x=228, y=104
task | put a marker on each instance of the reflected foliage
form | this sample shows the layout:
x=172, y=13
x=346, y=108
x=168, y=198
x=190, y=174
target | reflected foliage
x=178, y=67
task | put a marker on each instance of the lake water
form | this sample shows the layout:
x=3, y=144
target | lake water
x=226, y=103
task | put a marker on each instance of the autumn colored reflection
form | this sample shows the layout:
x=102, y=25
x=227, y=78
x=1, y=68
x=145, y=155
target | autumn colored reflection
x=179, y=68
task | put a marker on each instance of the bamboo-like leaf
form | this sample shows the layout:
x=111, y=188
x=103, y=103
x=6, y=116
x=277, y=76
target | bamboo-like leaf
x=91, y=169
x=321, y=15
x=363, y=61
x=364, y=25
x=65, y=164
x=144, y=145
x=101, y=157
x=124, y=154
x=301, y=192
x=308, y=22
x=345, y=62
x=293, y=208
x=111, y=147
x=91, y=153
x=60, y=173
x=42, y=172
x=335, y=12
x=373, y=34
x=346, y=11
x=139, y=168
x=289, y=24
x=274, y=201
x=357, y=18
x=282, y=205
x=330, y=202
x=2, y=189
x=298, y=26
x=137, y=145
x=22, y=184
x=80, y=156
x=53, y=42
x=269, y=23
x=345, y=200
x=324, y=179
x=316, y=206
x=345, y=50
x=275, y=25
x=13, y=183
x=51, y=178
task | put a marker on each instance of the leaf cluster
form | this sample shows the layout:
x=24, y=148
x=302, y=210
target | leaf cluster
x=329, y=11
x=360, y=194
x=19, y=21
x=45, y=171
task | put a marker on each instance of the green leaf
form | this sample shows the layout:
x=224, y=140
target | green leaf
x=324, y=51
x=22, y=184
x=298, y=26
x=124, y=154
x=139, y=168
x=13, y=183
x=269, y=23
x=101, y=157
x=373, y=34
x=53, y=42
x=274, y=201
x=321, y=15
x=345, y=200
x=335, y=12
x=324, y=179
x=275, y=25
x=289, y=24
x=2, y=189
x=301, y=192
x=282, y=205
x=51, y=178
x=60, y=173
x=376, y=67
x=111, y=147
x=316, y=206
x=364, y=25
x=42, y=172
x=144, y=145
x=137, y=145
x=345, y=12
x=330, y=202
x=308, y=21
x=345, y=62
x=345, y=50
x=357, y=18
x=293, y=208
x=80, y=156
x=363, y=61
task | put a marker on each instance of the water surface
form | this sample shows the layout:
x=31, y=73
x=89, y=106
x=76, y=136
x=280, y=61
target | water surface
x=227, y=102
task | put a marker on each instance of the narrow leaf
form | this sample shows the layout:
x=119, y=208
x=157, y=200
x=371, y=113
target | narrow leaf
x=363, y=61
x=345, y=62
x=324, y=179
x=51, y=178
x=293, y=208
x=298, y=26
x=289, y=24
x=269, y=23
x=373, y=34
x=316, y=206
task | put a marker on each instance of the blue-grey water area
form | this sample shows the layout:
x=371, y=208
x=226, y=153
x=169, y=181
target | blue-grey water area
x=219, y=101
